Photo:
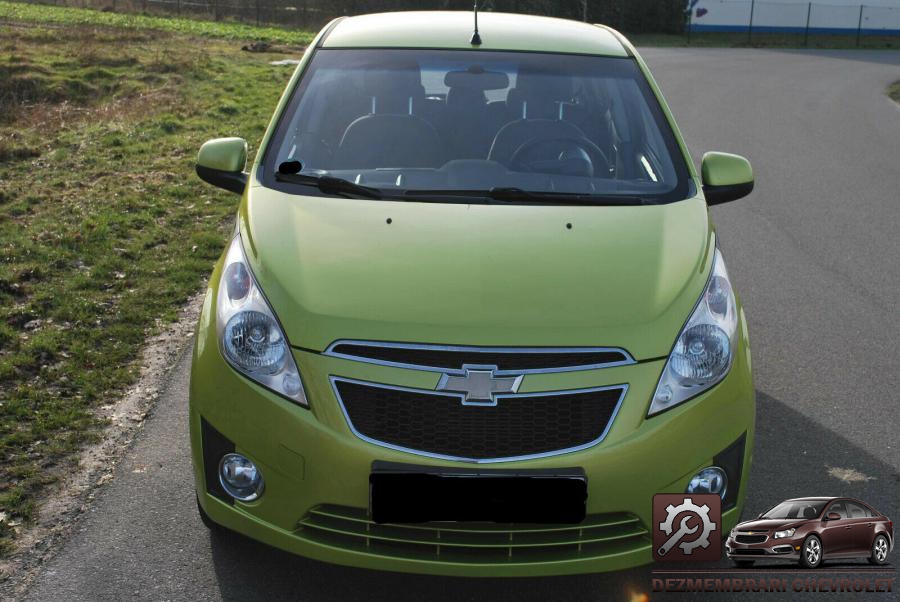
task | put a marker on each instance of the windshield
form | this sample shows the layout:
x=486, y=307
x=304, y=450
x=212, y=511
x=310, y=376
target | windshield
x=797, y=509
x=418, y=121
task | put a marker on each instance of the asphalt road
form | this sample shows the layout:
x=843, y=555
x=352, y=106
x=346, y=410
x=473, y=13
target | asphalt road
x=815, y=254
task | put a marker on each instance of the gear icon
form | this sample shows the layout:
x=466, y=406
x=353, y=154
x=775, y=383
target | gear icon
x=689, y=506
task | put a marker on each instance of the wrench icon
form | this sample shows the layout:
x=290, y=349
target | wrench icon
x=681, y=532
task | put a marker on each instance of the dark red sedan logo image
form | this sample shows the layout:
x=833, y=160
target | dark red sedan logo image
x=811, y=530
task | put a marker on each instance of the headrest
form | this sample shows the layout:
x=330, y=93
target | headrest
x=465, y=98
x=543, y=84
x=538, y=94
x=397, y=79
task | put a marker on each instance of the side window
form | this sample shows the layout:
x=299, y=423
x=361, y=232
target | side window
x=807, y=512
x=839, y=508
x=857, y=510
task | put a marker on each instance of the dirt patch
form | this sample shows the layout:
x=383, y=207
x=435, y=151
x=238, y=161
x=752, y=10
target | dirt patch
x=894, y=91
x=848, y=475
x=60, y=506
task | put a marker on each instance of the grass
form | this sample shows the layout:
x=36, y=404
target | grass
x=894, y=91
x=104, y=229
x=36, y=13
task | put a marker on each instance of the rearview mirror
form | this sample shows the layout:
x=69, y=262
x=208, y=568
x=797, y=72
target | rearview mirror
x=833, y=516
x=726, y=177
x=221, y=163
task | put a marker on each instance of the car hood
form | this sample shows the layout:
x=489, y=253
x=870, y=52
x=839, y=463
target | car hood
x=771, y=524
x=512, y=275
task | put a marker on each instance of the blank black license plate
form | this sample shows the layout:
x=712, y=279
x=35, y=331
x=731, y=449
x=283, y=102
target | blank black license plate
x=403, y=493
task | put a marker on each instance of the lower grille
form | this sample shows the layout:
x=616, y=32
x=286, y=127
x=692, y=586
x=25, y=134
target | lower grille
x=740, y=552
x=750, y=538
x=438, y=424
x=599, y=535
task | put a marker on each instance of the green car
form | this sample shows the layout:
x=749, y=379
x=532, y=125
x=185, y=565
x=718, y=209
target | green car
x=474, y=314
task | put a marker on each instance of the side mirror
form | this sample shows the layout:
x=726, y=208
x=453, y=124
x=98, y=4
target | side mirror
x=221, y=163
x=833, y=516
x=726, y=177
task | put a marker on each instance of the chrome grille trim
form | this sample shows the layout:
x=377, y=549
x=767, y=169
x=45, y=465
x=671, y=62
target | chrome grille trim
x=335, y=379
x=600, y=535
x=330, y=351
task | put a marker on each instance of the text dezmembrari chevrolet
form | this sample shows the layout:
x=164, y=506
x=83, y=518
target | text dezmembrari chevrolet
x=474, y=314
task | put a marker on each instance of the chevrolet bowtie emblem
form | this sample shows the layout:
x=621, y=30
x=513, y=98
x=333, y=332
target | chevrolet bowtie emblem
x=479, y=385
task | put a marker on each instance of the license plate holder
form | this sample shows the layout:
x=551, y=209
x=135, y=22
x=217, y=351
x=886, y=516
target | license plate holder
x=405, y=493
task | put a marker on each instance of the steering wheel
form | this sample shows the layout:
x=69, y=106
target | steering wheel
x=595, y=156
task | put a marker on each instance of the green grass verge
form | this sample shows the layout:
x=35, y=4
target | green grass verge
x=14, y=11
x=104, y=228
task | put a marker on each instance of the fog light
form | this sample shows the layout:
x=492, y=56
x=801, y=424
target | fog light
x=240, y=477
x=709, y=480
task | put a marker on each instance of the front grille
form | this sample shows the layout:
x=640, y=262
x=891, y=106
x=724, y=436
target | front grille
x=599, y=535
x=740, y=552
x=750, y=538
x=438, y=424
x=451, y=358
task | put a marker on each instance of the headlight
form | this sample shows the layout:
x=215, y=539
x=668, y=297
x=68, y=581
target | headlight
x=785, y=533
x=250, y=338
x=704, y=349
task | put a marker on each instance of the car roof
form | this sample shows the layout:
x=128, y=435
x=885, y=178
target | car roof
x=812, y=499
x=453, y=29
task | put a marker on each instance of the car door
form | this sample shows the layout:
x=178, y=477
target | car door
x=863, y=527
x=837, y=535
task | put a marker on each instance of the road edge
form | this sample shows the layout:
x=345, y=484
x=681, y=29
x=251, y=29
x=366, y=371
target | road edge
x=61, y=505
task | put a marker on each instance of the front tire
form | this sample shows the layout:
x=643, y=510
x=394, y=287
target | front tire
x=811, y=554
x=879, y=550
x=743, y=563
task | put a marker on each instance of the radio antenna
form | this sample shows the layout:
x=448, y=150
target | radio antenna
x=476, y=38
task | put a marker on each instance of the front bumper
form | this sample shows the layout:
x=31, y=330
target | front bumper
x=316, y=470
x=786, y=548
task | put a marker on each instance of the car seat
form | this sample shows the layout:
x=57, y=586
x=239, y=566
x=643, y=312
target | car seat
x=392, y=134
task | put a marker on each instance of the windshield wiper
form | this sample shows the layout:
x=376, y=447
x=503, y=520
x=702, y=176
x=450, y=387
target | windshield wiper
x=330, y=185
x=518, y=194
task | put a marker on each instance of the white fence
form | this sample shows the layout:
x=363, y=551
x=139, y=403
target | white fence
x=796, y=16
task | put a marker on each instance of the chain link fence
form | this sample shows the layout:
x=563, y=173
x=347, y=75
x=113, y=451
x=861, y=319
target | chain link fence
x=657, y=16
x=744, y=21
